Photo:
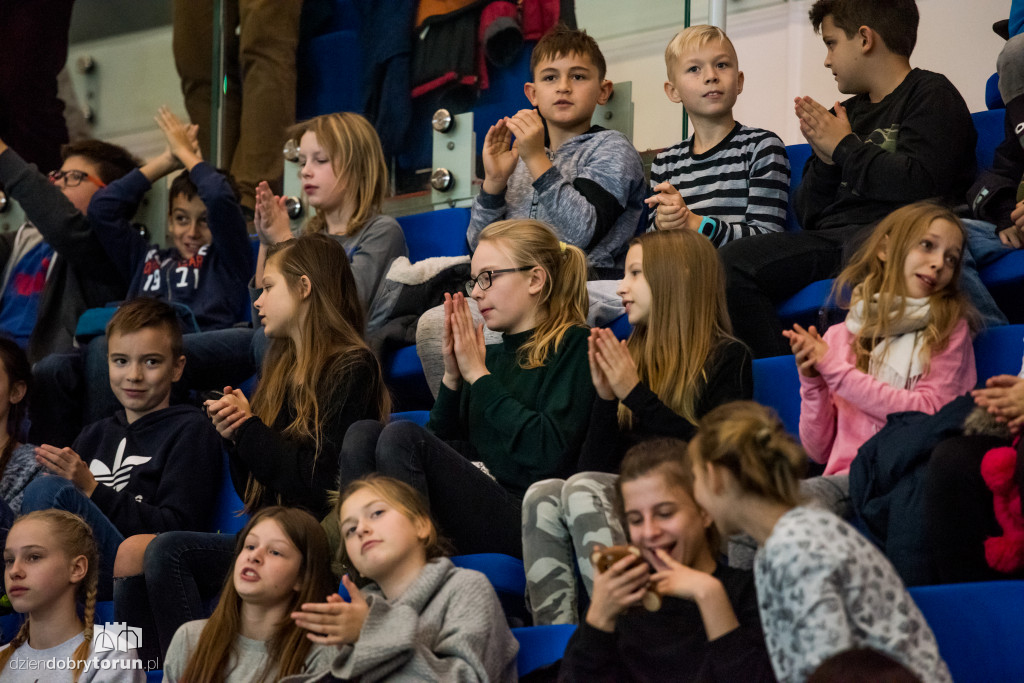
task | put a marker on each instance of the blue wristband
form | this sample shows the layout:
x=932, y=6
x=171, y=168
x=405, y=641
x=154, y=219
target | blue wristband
x=708, y=226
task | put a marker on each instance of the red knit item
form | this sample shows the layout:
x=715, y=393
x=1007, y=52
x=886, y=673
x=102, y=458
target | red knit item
x=1004, y=553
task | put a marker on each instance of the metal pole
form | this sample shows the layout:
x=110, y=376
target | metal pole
x=686, y=24
x=716, y=13
x=218, y=85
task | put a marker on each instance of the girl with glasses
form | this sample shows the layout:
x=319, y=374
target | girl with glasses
x=507, y=415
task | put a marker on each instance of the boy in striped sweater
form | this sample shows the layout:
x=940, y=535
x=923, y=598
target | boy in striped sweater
x=725, y=181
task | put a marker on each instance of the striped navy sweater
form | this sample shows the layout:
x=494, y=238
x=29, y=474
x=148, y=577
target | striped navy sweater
x=742, y=182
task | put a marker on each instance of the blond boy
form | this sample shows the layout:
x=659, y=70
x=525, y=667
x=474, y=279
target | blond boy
x=727, y=180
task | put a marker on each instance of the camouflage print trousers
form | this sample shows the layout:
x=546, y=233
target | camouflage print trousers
x=563, y=520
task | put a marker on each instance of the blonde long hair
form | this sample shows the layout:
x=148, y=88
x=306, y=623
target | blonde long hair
x=289, y=646
x=564, y=300
x=357, y=158
x=331, y=339
x=688, y=321
x=868, y=276
x=74, y=537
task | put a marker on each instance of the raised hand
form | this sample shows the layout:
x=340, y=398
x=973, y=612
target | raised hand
x=65, y=463
x=808, y=347
x=270, y=217
x=1003, y=396
x=612, y=357
x=822, y=129
x=672, y=212
x=528, y=127
x=467, y=341
x=452, y=376
x=334, y=622
x=500, y=156
x=601, y=383
x=182, y=138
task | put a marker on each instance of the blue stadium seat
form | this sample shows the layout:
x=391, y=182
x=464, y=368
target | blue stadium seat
x=978, y=627
x=505, y=572
x=541, y=645
x=998, y=351
x=620, y=327
x=420, y=417
x=403, y=373
x=805, y=306
x=798, y=156
x=777, y=385
x=989, y=125
x=436, y=233
x=227, y=515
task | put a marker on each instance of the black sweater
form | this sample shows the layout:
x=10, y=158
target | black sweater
x=159, y=473
x=916, y=143
x=729, y=378
x=993, y=197
x=291, y=470
x=671, y=645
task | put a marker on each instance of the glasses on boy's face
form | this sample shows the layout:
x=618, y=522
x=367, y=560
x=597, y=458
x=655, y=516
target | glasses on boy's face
x=485, y=278
x=74, y=178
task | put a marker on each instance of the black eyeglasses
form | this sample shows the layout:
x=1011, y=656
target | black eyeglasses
x=485, y=278
x=74, y=178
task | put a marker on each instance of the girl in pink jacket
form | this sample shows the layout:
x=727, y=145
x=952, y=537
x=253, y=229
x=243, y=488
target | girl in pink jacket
x=906, y=341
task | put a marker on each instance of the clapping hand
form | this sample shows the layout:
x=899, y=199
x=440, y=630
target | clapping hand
x=334, y=622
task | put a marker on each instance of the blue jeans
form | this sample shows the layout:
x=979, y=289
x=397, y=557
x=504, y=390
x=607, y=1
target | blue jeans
x=51, y=491
x=183, y=573
x=472, y=510
x=983, y=248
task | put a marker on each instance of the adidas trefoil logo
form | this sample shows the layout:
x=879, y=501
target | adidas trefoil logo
x=117, y=478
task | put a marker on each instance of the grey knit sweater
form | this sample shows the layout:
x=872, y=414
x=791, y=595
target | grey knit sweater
x=447, y=626
x=592, y=196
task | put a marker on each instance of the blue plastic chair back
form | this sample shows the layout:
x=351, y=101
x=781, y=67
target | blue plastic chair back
x=979, y=628
x=227, y=515
x=505, y=572
x=777, y=385
x=798, y=156
x=541, y=645
x=989, y=125
x=436, y=233
x=420, y=417
x=998, y=351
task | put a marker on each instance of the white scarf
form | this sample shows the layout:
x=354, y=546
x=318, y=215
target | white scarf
x=897, y=360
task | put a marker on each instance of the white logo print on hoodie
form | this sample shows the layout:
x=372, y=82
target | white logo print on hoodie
x=117, y=478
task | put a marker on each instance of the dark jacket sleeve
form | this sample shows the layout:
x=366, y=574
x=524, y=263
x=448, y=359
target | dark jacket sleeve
x=730, y=378
x=994, y=194
x=295, y=470
x=185, y=495
x=603, y=446
x=110, y=212
x=227, y=224
x=63, y=226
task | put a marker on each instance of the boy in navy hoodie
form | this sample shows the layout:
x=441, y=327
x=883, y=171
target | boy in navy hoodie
x=152, y=467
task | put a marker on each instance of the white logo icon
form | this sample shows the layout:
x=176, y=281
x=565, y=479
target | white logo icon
x=118, y=476
x=117, y=637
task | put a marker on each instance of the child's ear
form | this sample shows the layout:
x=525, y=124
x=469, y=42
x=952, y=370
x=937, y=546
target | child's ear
x=530, y=90
x=179, y=367
x=883, y=253
x=672, y=94
x=422, y=527
x=305, y=286
x=538, y=276
x=715, y=478
x=18, y=391
x=607, y=89
x=79, y=568
x=867, y=38
x=739, y=82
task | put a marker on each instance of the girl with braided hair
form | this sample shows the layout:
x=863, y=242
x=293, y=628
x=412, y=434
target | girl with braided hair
x=51, y=570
